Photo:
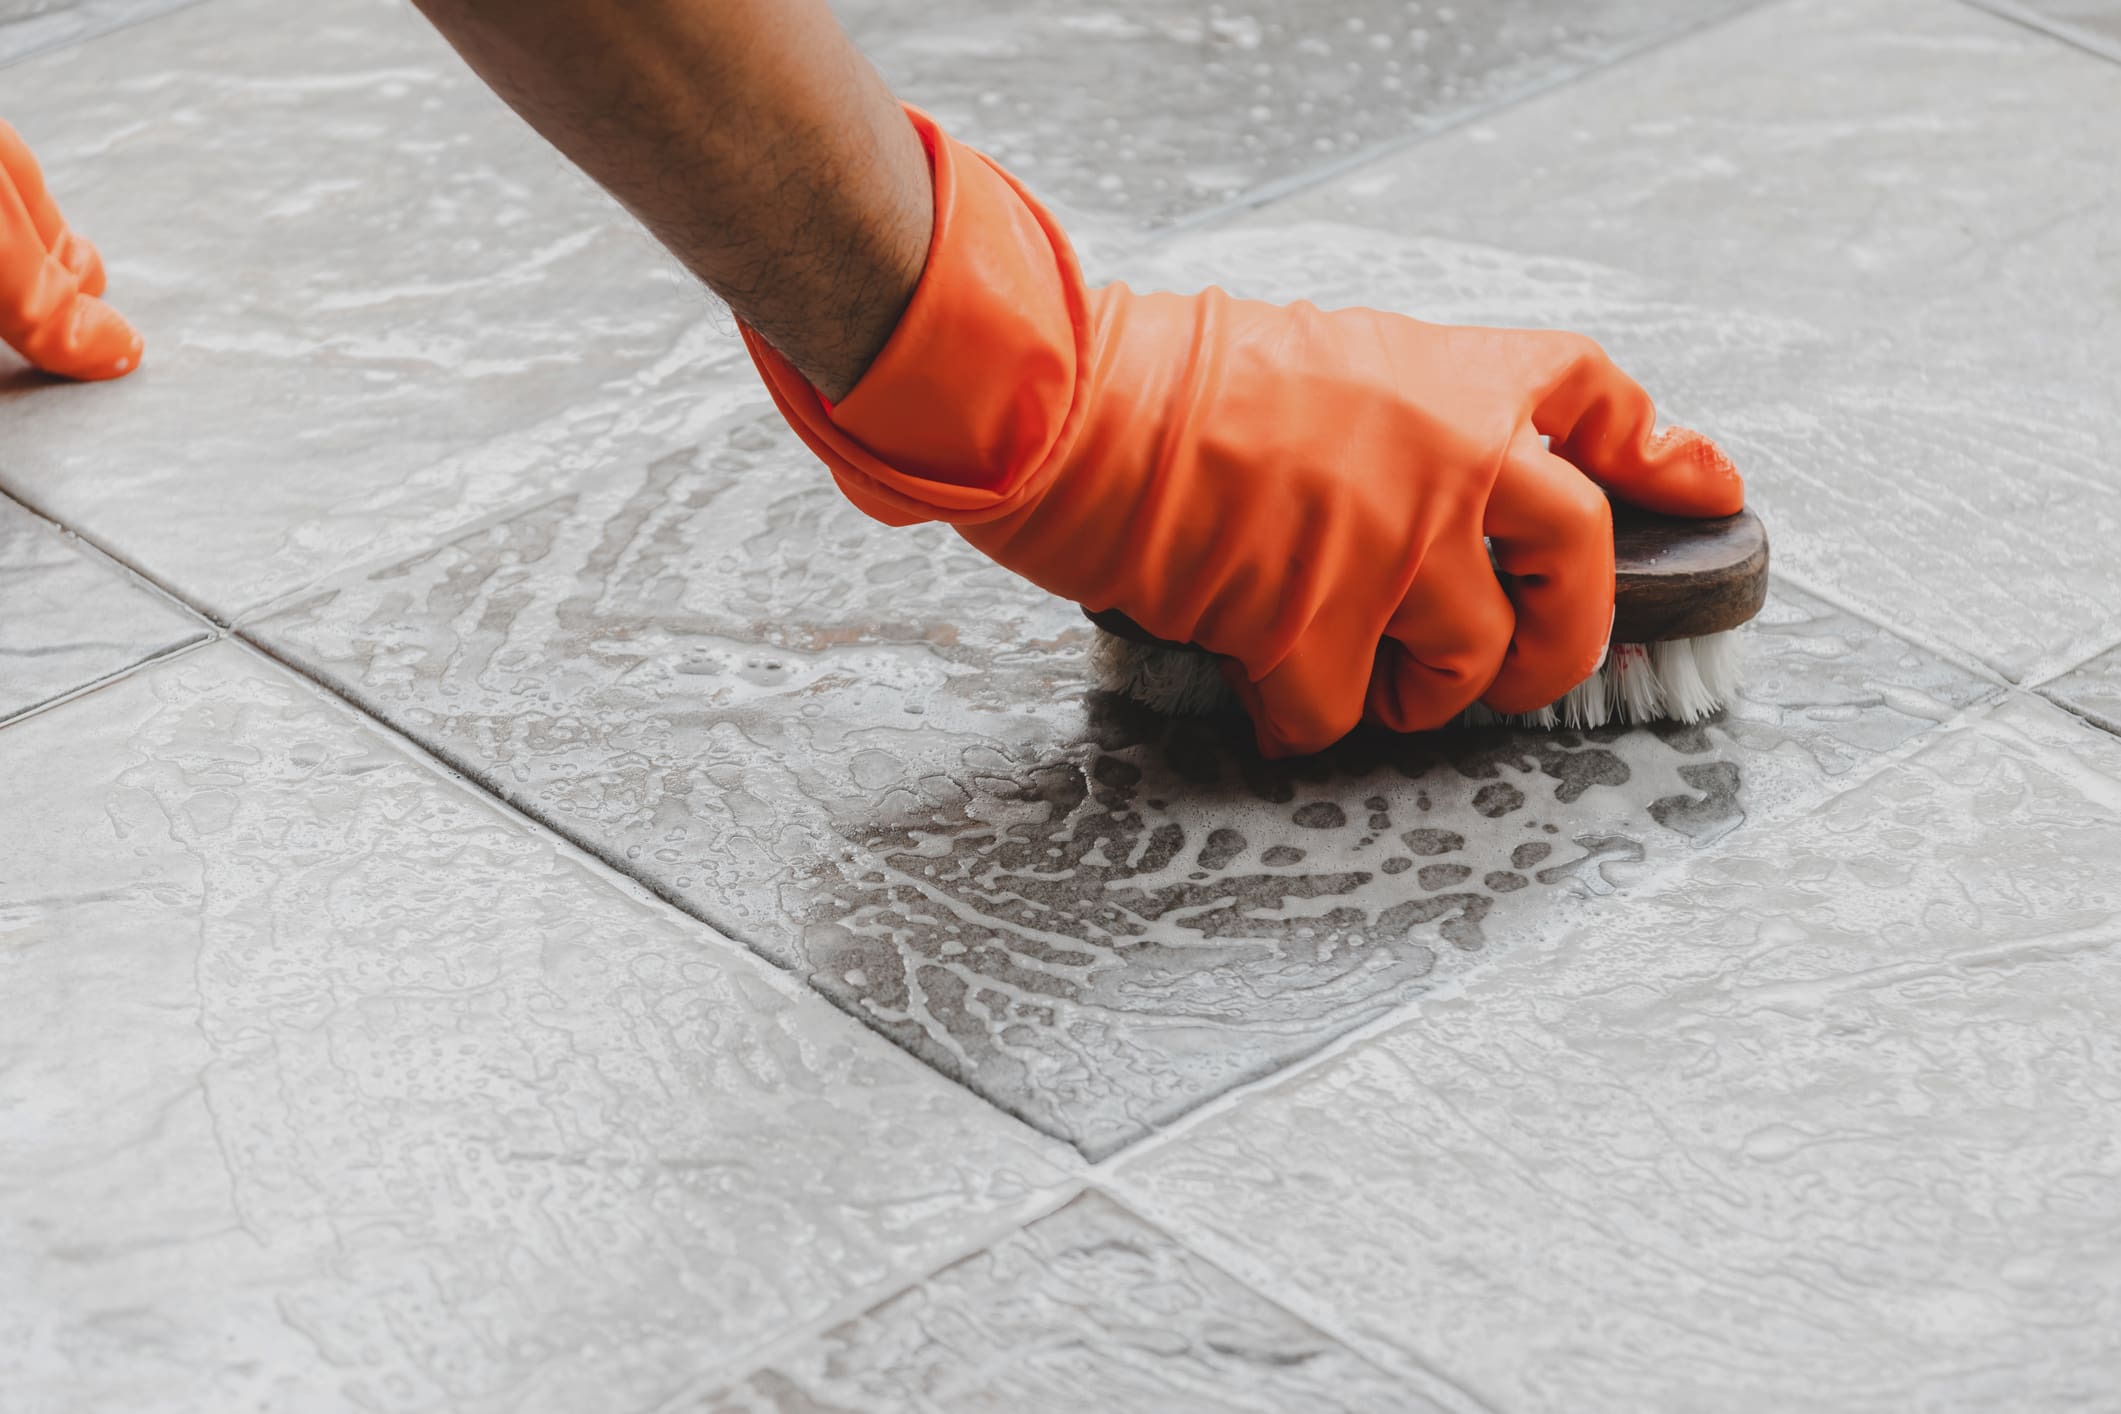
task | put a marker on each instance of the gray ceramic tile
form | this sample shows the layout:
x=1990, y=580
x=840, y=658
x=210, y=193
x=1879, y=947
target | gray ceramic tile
x=869, y=754
x=1827, y=1123
x=326, y=1084
x=2093, y=690
x=1901, y=323
x=377, y=307
x=415, y=304
x=1152, y=112
x=1090, y=1308
x=68, y=619
x=31, y=26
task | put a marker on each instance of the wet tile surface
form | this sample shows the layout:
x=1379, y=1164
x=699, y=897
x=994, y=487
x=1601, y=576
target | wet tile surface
x=1775, y=1066
x=396, y=315
x=1825, y=1123
x=870, y=754
x=1090, y=1308
x=417, y=304
x=2093, y=690
x=32, y=26
x=1902, y=327
x=67, y=619
x=325, y=1084
x=1149, y=113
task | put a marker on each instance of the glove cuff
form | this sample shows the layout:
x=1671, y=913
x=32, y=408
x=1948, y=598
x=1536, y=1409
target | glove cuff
x=970, y=409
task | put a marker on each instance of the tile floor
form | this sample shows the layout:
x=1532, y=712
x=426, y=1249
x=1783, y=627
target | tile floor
x=513, y=896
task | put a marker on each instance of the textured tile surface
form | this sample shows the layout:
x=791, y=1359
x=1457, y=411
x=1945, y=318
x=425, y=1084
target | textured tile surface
x=67, y=619
x=1151, y=112
x=327, y=1085
x=868, y=753
x=2093, y=23
x=398, y=313
x=423, y=309
x=2093, y=689
x=31, y=26
x=1827, y=1123
x=1903, y=327
x=1090, y=1308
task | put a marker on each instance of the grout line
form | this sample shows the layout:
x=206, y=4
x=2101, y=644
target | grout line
x=302, y=595
x=1439, y=1389
x=1272, y=191
x=464, y=774
x=1390, y=1019
x=2081, y=714
x=2095, y=781
x=1110, y=1176
x=1270, y=1284
x=761, y=1354
x=1052, y=1148
x=1593, y=913
x=207, y=637
x=1936, y=647
x=207, y=631
x=2041, y=684
x=146, y=579
x=133, y=575
x=2075, y=36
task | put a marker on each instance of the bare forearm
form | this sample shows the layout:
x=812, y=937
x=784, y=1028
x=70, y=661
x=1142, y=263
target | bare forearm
x=748, y=135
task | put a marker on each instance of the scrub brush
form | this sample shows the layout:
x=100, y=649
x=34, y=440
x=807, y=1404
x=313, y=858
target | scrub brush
x=1683, y=589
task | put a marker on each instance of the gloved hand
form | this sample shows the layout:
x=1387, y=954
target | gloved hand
x=50, y=279
x=1308, y=493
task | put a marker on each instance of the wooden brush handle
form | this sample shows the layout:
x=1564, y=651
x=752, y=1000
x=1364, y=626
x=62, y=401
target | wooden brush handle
x=1685, y=578
x=1675, y=579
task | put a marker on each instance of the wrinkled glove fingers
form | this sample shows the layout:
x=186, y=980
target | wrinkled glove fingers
x=19, y=166
x=1310, y=699
x=1443, y=647
x=1552, y=534
x=1601, y=421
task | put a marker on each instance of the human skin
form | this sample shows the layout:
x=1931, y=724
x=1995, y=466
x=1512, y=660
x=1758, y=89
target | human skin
x=1323, y=499
x=749, y=136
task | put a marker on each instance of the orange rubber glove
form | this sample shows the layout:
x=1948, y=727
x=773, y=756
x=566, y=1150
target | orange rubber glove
x=1309, y=494
x=50, y=279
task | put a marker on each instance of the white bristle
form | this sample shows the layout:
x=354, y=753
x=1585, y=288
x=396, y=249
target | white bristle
x=1176, y=682
x=1638, y=694
x=1684, y=680
x=1700, y=675
x=1588, y=704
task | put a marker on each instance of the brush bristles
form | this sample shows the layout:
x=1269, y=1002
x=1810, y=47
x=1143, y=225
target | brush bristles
x=1175, y=682
x=1684, y=680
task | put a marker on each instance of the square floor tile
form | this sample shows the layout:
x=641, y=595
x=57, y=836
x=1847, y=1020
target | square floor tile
x=1878, y=235
x=328, y=1084
x=1826, y=1122
x=1170, y=108
x=871, y=755
x=1090, y=1308
x=382, y=326
x=68, y=619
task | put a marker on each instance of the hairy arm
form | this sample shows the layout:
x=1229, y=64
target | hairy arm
x=749, y=136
